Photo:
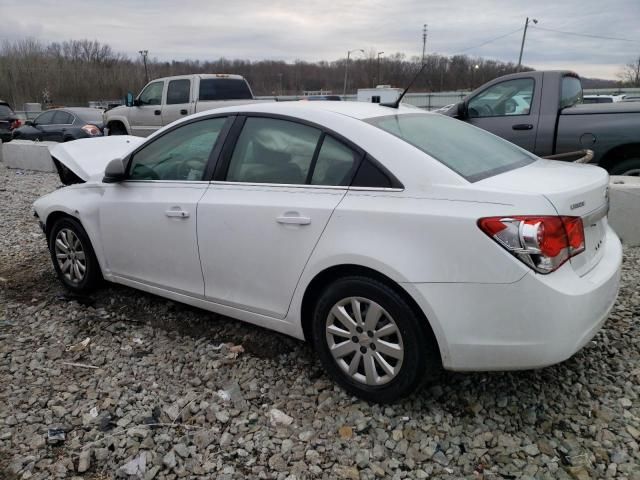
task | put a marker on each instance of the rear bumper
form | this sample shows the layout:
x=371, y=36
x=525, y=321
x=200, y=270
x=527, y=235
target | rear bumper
x=537, y=321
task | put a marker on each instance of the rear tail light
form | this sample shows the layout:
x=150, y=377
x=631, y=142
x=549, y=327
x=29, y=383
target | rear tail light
x=542, y=242
x=91, y=130
x=15, y=124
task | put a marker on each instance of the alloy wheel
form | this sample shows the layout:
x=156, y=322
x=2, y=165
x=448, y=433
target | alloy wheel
x=364, y=341
x=70, y=256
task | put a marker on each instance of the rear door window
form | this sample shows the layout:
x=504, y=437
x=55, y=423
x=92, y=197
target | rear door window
x=178, y=91
x=335, y=164
x=270, y=150
x=62, y=118
x=45, y=119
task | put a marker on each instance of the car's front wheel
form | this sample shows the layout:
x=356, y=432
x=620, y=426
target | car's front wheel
x=73, y=257
x=371, y=341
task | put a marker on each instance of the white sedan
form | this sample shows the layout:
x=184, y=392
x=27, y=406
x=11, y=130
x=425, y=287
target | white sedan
x=396, y=241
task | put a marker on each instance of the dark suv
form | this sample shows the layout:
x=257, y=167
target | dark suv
x=8, y=121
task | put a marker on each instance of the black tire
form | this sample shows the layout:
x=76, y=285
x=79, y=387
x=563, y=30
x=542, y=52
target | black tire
x=117, y=129
x=629, y=166
x=421, y=359
x=92, y=276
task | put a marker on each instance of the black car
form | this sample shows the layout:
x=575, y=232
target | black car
x=8, y=121
x=62, y=125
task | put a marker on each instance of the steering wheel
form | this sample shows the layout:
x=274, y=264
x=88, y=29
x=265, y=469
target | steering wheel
x=142, y=172
x=184, y=169
x=482, y=110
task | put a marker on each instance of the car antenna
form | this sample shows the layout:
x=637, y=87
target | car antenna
x=396, y=104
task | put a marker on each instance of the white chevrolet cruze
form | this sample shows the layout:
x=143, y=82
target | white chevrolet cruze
x=396, y=241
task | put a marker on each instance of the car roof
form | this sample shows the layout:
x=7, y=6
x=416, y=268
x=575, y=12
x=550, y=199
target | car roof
x=357, y=110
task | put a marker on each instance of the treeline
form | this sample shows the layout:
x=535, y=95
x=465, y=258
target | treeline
x=77, y=71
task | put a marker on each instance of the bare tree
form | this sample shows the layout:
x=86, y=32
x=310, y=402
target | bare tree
x=630, y=74
x=74, y=72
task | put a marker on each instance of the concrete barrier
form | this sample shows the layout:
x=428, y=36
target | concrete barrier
x=624, y=211
x=28, y=155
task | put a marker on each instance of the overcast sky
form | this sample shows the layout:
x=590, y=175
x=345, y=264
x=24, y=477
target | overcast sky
x=324, y=30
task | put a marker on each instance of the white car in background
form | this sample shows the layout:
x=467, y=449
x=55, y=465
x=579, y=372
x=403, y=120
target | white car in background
x=396, y=241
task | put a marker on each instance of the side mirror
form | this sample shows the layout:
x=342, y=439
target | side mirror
x=137, y=102
x=462, y=111
x=30, y=123
x=114, y=172
x=128, y=101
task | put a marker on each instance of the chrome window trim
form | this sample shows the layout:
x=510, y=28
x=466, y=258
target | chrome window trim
x=307, y=186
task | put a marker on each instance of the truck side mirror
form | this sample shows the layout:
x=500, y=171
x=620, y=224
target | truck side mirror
x=129, y=99
x=462, y=110
x=114, y=172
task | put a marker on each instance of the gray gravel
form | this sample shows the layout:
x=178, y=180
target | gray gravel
x=182, y=393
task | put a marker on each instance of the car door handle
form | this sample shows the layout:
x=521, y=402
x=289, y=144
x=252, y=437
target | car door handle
x=156, y=112
x=177, y=212
x=183, y=112
x=522, y=126
x=292, y=218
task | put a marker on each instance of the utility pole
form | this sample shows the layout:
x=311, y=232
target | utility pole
x=424, y=41
x=524, y=35
x=144, y=54
x=378, y=78
x=346, y=69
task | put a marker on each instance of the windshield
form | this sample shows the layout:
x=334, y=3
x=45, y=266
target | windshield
x=467, y=150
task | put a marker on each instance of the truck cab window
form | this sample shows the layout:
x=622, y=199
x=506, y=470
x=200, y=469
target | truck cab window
x=512, y=97
x=571, y=91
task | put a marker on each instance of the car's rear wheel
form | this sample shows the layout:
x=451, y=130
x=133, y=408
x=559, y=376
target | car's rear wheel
x=630, y=166
x=371, y=341
x=73, y=257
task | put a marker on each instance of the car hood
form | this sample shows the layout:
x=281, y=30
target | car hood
x=88, y=157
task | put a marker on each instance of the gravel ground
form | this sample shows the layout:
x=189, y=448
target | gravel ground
x=182, y=393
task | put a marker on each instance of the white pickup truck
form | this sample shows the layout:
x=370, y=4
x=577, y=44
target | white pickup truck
x=167, y=99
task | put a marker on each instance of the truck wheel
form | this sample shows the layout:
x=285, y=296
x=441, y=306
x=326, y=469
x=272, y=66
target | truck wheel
x=117, y=129
x=630, y=166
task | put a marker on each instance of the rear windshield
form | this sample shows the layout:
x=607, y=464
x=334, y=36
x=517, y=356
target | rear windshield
x=90, y=115
x=467, y=150
x=224, y=89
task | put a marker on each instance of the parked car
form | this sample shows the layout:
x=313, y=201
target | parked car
x=556, y=121
x=396, y=241
x=589, y=99
x=8, y=121
x=62, y=125
x=165, y=100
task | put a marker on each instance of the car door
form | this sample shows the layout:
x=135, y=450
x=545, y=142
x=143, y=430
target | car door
x=42, y=127
x=177, y=103
x=261, y=218
x=146, y=116
x=148, y=222
x=61, y=122
x=509, y=109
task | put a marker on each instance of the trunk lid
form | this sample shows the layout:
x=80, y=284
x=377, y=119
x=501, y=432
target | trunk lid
x=88, y=157
x=574, y=190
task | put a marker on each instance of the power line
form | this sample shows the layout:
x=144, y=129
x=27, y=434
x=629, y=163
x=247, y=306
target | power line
x=576, y=34
x=491, y=40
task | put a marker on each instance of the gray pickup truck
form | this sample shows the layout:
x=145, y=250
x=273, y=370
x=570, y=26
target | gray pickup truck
x=542, y=111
